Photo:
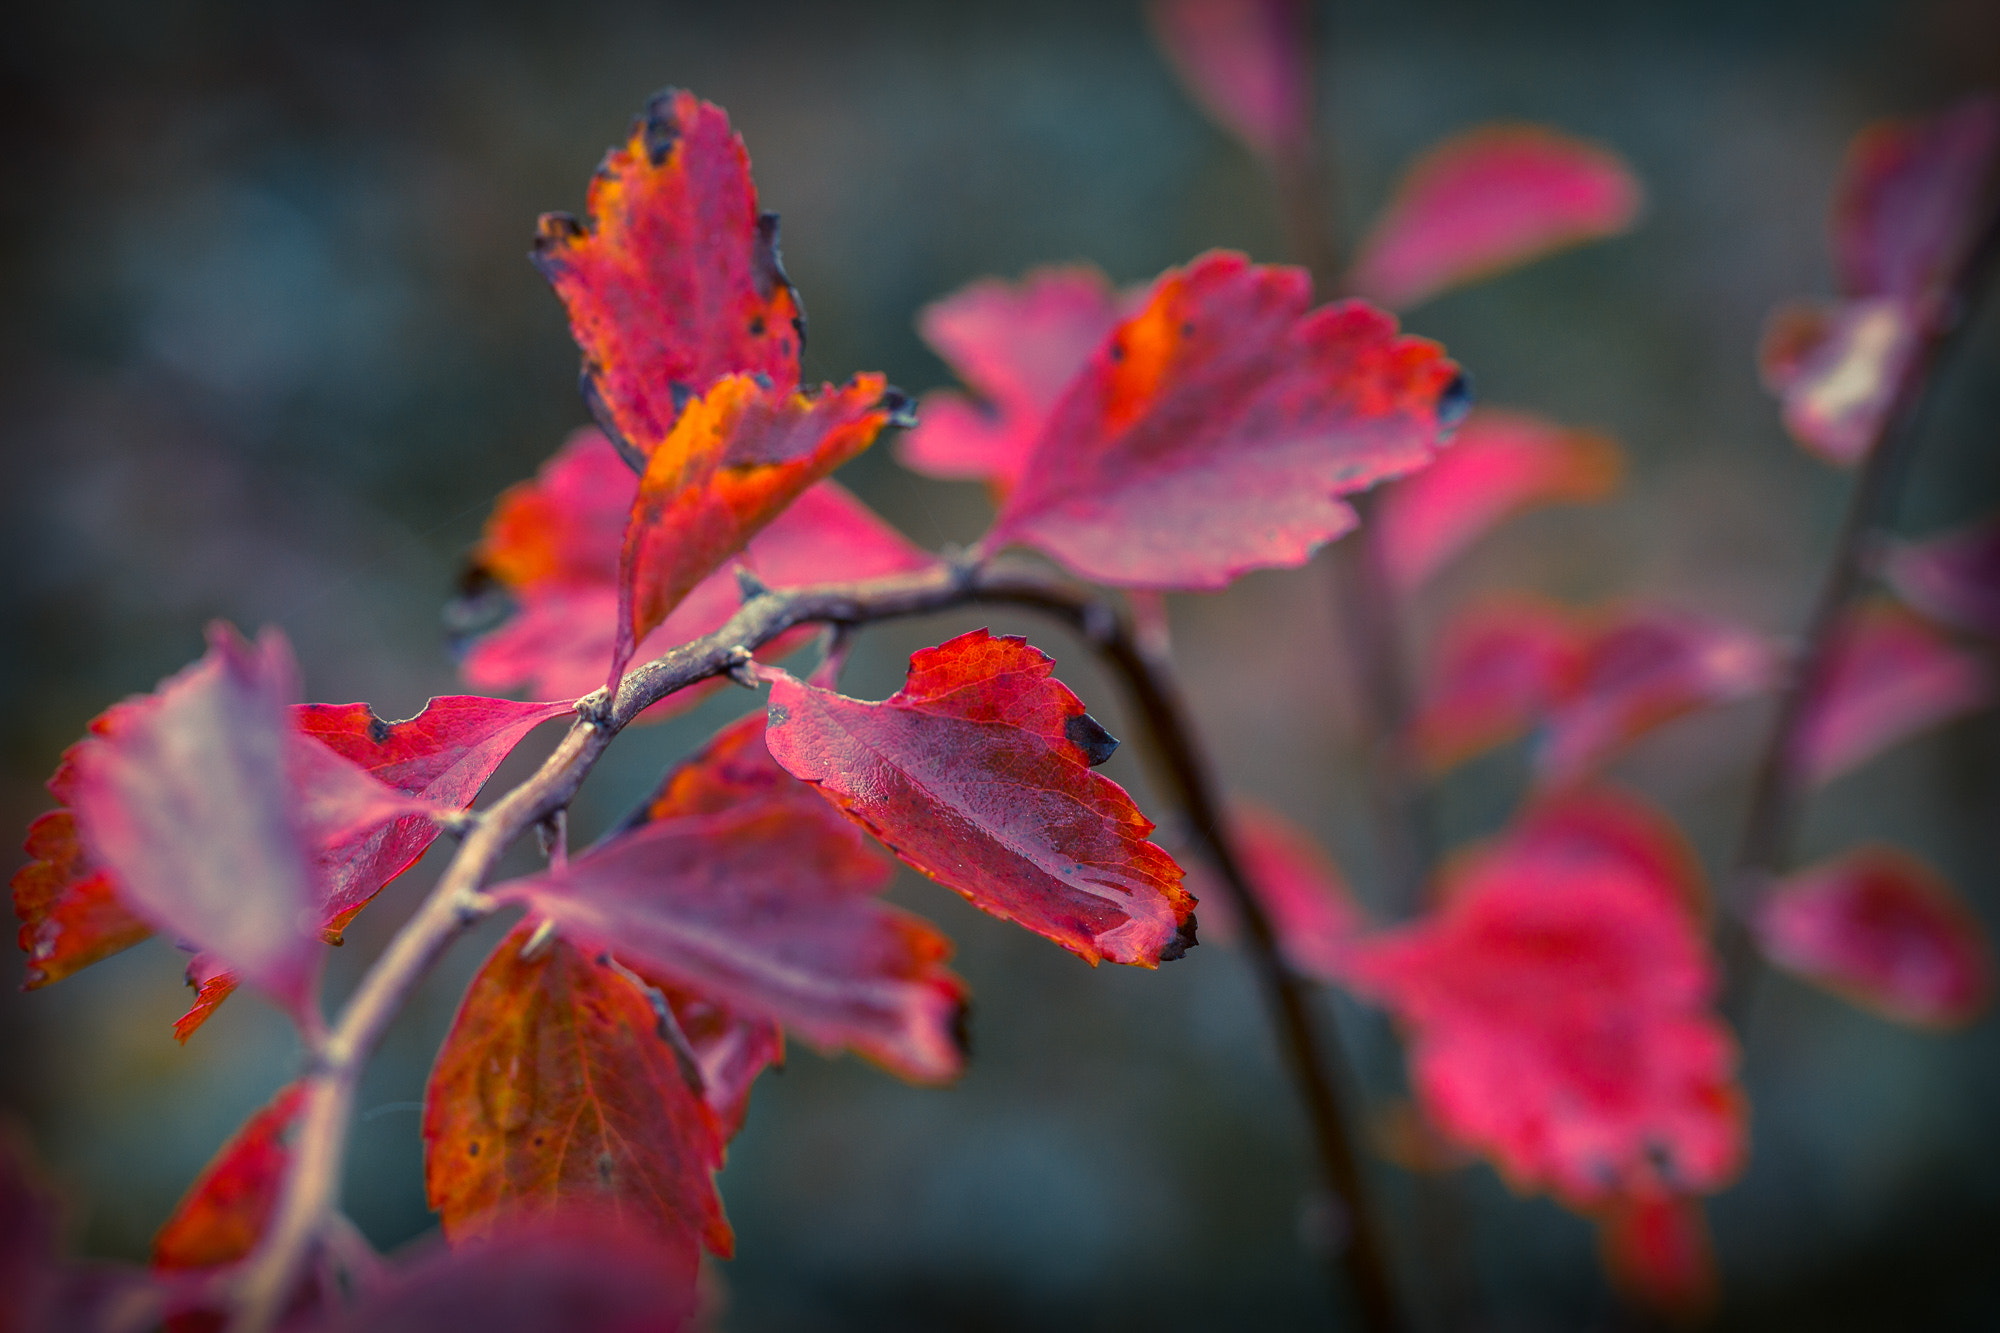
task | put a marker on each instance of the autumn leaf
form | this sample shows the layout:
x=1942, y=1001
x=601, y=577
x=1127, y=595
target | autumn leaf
x=1494, y=674
x=1658, y=1251
x=573, y=1270
x=222, y=1215
x=1556, y=1009
x=553, y=545
x=978, y=773
x=673, y=280
x=1888, y=676
x=1600, y=824
x=1885, y=930
x=1215, y=430
x=1500, y=463
x=737, y=883
x=1954, y=577
x=1018, y=345
x=1836, y=369
x=71, y=915
x=1247, y=62
x=560, y=1086
x=1312, y=911
x=1488, y=200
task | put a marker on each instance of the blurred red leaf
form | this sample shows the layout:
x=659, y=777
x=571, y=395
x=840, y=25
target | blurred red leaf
x=220, y=1218
x=739, y=884
x=1955, y=577
x=1657, y=1250
x=1018, y=346
x=553, y=543
x=1495, y=673
x=1248, y=63
x=1837, y=369
x=1595, y=825
x=571, y=1270
x=560, y=1086
x=1558, y=1022
x=212, y=982
x=673, y=281
x=978, y=773
x=1500, y=463
x=1637, y=670
x=1889, y=675
x=1910, y=199
x=1215, y=431
x=1487, y=200
x=739, y=455
x=42, y=1291
x=729, y=1050
x=1301, y=890
x=1885, y=930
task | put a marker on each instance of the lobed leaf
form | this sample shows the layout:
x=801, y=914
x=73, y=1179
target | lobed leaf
x=1488, y=200
x=1658, y=1251
x=1837, y=370
x=1308, y=902
x=559, y=1086
x=1888, y=676
x=1247, y=62
x=738, y=456
x=673, y=280
x=1955, y=578
x=1910, y=200
x=1500, y=463
x=978, y=773
x=1886, y=931
x=1558, y=1022
x=1215, y=430
x=1018, y=346
x=553, y=544
x=737, y=883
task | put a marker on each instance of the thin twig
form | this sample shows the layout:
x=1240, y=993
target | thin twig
x=310, y=1192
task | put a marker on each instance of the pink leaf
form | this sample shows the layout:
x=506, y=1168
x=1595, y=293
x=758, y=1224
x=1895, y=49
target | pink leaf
x=1889, y=676
x=1215, y=431
x=1837, y=370
x=1301, y=890
x=1497, y=672
x=192, y=808
x=1248, y=64
x=1955, y=577
x=978, y=773
x=1601, y=825
x=1488, y=200
x=1018, y=346
x=1910, y=197
x=1500, y=463
x=741, y=886
x=1886, y=931
x=1558, y=1021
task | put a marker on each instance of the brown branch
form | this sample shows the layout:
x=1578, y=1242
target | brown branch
x=307, y=1203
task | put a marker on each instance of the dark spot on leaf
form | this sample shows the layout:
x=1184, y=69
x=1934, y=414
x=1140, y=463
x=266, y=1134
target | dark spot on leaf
x=1187, y=329
x=763, y=381
x=378, y=730
x=538, y=1140
x=555, y=230
x=756, y=326
x=1182, y=941
x=1455, y=401
x=1088, y=734
x=606, y=1169
x=1118, y=351
x=662, y=130
x=472, y=1149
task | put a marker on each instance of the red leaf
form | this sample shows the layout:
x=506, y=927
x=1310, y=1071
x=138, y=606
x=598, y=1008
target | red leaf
x=221, y=1217
x=1638, y=671
x=1299, y=887
x=1955, y=577
x=553, y=543
x=1496, y=672
x=1889, y=676
x=212, y=983
x=1487, y=200
x=1215, y=431
x=1558, y=1023
x=674, y=281
x=558, y=1087
x=1657, y=1249
x=1910, y=197
x=1247, y=62
x=190, y=806
x=738, y=456
x=1837, y=370
x=978, y=773
x=740, y=885
x=1500, y=463
x=728, y=1049
x=1596, y=825
x=1884, y=930
x=1018, y=346
x=70, y=912
x=569, y=1271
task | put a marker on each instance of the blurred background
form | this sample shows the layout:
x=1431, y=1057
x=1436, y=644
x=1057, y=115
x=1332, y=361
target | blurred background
x=269, y=347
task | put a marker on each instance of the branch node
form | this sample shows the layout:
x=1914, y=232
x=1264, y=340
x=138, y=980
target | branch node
x=742, y=667
x=749, y=585
x=595, y=708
